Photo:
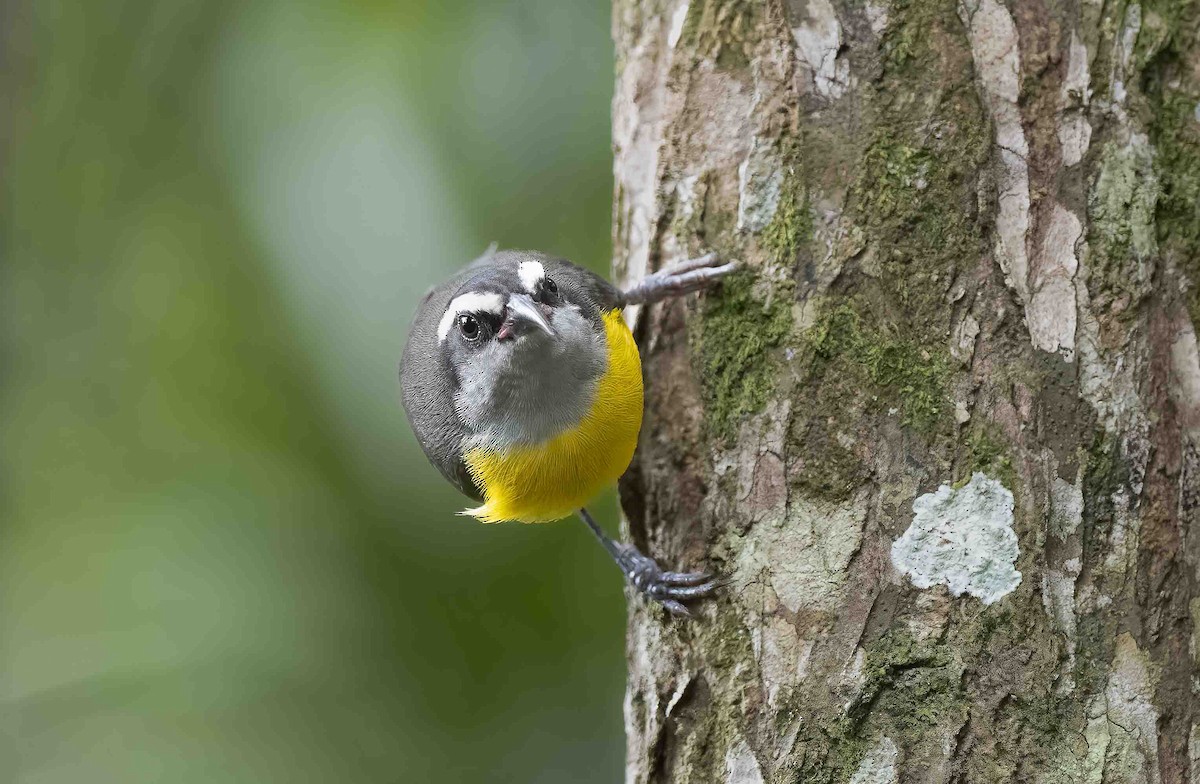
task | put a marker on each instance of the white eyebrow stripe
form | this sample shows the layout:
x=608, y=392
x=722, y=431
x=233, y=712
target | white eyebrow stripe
x=531, y=273
x=471, y=302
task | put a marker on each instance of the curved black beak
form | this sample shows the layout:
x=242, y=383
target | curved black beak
x=522, y=315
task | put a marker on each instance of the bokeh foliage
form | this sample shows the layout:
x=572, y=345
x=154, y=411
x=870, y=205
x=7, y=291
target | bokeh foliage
x=222, y=557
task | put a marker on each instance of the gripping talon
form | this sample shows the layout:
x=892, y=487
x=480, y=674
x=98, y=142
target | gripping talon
x=666, y=588
x=670, y=589
x=679, y=279
x=675, y=608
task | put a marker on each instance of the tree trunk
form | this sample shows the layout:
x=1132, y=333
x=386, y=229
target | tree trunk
x=943, y=433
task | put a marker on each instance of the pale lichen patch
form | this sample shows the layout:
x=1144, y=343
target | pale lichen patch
x=1121, y=64
x=803, y=556
x=1066, y=508
x=740, y=765
x=690, y=191
x=686, y=194
x=1050, y=313
x=638, y=129
x=1122, y=205
x=878, y=15
x=995, y=48
x=677, y=20
x=651, y=667
x=1121, y=558
x=760, y=181
x=1131, y=712
x=962, y=539
x=962, y=342
x=879, y=764
x=1185, y=377
x=818, y=40
x=1058, y=598
x=1109, y=386
x=680, y=689
x=854, y=673
x=1074, y=130
x=1084, y=762
x=1194, y=737
x=783, y=657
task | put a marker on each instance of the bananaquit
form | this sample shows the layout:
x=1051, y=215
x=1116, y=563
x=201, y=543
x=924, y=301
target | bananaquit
x=524, y=387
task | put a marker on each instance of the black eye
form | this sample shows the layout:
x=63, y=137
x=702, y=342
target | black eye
x=550, y=285
x=468, y=325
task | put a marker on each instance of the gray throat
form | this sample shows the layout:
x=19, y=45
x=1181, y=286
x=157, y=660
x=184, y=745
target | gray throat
x=543, y=392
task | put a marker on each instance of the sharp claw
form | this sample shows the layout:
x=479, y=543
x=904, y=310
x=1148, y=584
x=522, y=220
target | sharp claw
x=675, y=608
x=670, y=589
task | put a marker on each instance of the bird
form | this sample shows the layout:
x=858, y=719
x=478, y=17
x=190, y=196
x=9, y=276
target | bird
x=523, y=385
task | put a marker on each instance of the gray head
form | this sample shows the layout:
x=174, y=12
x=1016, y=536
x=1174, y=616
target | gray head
x=509, y=351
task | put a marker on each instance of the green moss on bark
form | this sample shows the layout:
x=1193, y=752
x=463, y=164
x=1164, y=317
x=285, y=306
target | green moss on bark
x=791, y=226
x=706, y=717
x=1046, y=719
x=1094, y=646
x=1176, y=134
x=908, y=44
x=830, y=471
x=735, y=341
x=916, y=196
x=910, y=687
x=832, y=753
x=1104, y=475
x=986, y=451
x=895, y=369
x=722, y=29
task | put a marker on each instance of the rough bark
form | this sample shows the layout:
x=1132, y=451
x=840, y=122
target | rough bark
x=964, y=344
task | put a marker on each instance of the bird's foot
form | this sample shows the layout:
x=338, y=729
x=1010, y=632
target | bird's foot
x=670, y=589
x=679, y=279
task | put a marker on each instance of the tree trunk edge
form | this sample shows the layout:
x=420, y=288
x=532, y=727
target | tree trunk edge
x=972, y=236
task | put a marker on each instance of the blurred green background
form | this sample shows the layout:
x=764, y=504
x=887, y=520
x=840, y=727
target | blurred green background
x=222, y=557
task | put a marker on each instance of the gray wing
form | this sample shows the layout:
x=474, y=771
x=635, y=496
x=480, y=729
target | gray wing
x=427, y=391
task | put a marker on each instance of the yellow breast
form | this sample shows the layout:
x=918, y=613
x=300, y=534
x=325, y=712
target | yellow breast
x=551, y=480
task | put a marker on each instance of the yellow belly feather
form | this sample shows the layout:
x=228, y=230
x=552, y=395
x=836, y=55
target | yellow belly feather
x=551, y=480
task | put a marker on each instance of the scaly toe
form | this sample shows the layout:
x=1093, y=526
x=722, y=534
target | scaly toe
x=690, y=591
x=700, y=262
x=686, y=578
